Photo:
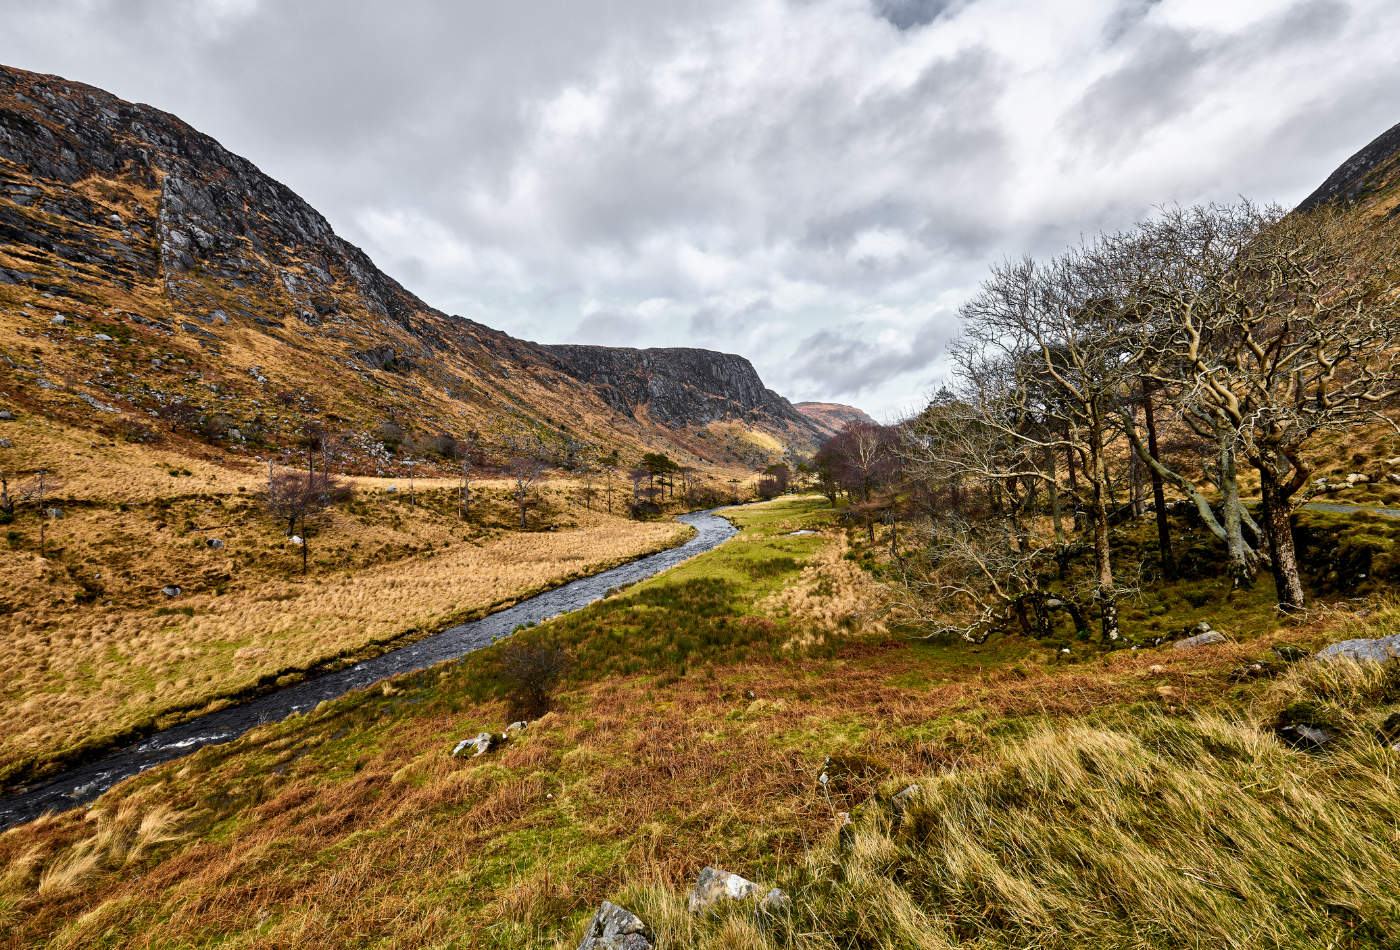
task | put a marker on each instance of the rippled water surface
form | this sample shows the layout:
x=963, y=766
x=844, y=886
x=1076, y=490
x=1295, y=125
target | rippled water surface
x=83, y=783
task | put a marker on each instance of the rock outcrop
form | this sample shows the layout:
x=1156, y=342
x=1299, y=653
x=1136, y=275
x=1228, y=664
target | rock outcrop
x=679, y=386
x=1370, y=177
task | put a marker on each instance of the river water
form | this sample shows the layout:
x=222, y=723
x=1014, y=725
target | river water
x=85, y=782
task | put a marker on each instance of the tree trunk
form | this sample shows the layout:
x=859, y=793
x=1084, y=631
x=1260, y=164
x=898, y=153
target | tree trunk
x=1103, y=555
x=1053, y=489
x=1159, y=497
x=1278, y=526
x=1243, y=567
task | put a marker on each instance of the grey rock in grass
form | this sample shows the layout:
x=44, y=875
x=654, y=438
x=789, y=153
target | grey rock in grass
x=170, y=590
x=1382, y=650
x=6, y=415
x=102, y=338
x=714, y=886
x=616, y=928
x=1200, y=640
x=479, y=744
x=903, y=799
x=215, y=543
x=515, y=729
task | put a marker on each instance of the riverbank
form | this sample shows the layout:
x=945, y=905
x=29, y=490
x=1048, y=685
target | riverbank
x=85, y=677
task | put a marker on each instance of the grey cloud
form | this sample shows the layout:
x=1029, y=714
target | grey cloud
x=756, y=172
x=909, y=14
x=848, y=363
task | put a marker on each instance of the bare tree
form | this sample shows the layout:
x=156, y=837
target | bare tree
x=298, y=497
x=1044, y=356
x=1285, y=327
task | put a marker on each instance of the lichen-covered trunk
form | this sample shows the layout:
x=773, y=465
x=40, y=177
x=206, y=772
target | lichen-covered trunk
x=1098, y=515
x=1159, y=496
x=1278, y=525
x=1243, y=565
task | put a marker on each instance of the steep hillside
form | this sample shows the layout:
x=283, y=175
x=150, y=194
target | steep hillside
x=1369, y=180
x=152, y=284
x=831, y=417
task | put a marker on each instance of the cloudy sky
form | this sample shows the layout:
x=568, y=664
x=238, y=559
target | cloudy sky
x=816, y=184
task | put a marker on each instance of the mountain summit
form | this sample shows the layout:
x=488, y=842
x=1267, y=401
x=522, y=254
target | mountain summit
x=160, y=276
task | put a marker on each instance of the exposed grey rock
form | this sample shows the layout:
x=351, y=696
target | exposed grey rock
x=1200, y=640
x=479, y=744
x=1357, y=478
x=678, y=386
x=1380, y=650
x=515, y=729
x=53, y=513
x=903, y=799
x=58, y=320
x=170, y=590
x=102, y=338
x=6, y=415
x=215, y=543
x=615, y=928
x=714, y=886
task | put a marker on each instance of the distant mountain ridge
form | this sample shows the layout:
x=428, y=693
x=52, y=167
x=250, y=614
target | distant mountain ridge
x=832, y=417
x=129, y=224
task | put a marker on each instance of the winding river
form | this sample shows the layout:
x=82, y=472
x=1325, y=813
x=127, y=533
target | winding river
x=84, y=783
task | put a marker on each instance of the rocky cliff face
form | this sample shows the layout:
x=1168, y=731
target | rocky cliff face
x=158, y=247
x=1369, y=180
x=678, y=386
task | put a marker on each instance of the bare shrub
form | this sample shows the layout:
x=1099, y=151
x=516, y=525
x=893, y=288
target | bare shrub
x=530, y=669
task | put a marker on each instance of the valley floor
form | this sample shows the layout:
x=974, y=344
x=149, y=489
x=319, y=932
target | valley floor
x=1135, y=798
x=165, y=587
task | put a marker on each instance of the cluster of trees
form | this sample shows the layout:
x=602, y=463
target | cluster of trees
x=1204, y=353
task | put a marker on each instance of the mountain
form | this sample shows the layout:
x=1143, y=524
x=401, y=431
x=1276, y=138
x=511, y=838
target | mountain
x=831, y=417
x=1369, y=180
x=152, y=283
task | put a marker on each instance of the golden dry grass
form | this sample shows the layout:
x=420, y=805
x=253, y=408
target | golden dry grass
x=91, y=648
x=353, y=826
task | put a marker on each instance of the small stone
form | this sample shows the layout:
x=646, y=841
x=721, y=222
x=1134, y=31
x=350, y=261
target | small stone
x=58, y=320
x=903, y=799
x=102, y=338
x=170, y=590
x=1288, y=653
x=750, y=694
x=296, y=539
x=6, y=415
x=1206, y=638
x=480, y=744
x=53, y=514
x=235, y=434
x=514, y=729
x=1156, y=669
x=714, y=886
x=616, y=928
x=1357, y=478
x=215, y=543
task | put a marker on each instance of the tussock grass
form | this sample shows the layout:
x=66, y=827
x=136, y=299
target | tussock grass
x=1194, y=831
